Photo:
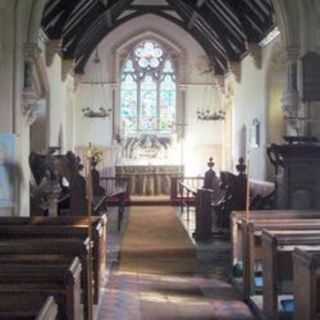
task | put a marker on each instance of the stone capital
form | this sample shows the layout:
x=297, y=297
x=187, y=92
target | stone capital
x=30, y=112
x=43, y=38
x=292, y=54
x=235, y=68
x=31, y=52
x=67, y=67
x=183, y=87
x=115, y=86
x=53, y=47
x=220, y=83
x=256, y=53
x=76, y=82
x=290, y=103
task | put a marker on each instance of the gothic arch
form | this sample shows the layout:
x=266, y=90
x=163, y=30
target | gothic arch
x=288, y=19
x=35, y=20
x=28, y=15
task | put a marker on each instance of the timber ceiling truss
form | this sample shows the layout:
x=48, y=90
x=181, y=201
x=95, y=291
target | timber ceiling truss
x=224, y=28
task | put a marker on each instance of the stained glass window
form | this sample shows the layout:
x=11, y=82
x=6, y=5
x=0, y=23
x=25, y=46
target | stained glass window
x=129, y=112
x=148, y=90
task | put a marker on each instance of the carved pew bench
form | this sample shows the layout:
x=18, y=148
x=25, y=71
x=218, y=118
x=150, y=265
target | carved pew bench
x=238, y=221
x=306, y=285
x=54, y=249
x=237, y=218
x=278, y=267
x=80, y=226
x=27, y=306
x=253, y=252
x=58, y=280
x=99, y=238
x=80, y=233
x=239, y=238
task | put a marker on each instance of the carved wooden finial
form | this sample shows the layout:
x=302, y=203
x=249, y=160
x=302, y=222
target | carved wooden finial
x=210, y=179
x=241, y=167
x=211, y=163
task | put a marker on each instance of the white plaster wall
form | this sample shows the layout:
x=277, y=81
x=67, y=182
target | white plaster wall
x=203, y=139
x=251, y=103
x=97, y=130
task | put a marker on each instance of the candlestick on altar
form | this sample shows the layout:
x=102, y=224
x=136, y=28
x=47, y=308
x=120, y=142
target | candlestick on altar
x=89, y=156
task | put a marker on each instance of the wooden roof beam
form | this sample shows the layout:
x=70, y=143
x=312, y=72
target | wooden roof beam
x=232, y=47
x=227, y=17
x=83, y=58
x=185, y=11
x=195, y=15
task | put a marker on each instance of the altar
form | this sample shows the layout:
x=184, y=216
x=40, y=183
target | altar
x=147, y=180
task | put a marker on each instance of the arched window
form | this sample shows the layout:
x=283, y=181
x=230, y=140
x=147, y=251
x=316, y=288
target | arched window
x=148, y=90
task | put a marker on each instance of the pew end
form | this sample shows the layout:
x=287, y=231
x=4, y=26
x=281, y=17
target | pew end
x=306, y=287
x=21, y=306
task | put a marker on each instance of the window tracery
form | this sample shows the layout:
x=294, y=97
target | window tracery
x=148, y=90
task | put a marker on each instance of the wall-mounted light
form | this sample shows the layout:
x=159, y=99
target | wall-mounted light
x=208, y=115
x=101, y=113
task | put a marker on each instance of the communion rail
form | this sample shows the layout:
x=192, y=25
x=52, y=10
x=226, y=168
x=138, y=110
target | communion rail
x=183, y=191
x=116, y=195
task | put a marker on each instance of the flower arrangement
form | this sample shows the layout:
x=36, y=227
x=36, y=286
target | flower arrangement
x=94, y=154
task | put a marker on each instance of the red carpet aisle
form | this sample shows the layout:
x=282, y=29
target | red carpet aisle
x=155, y=242
x=169, y=288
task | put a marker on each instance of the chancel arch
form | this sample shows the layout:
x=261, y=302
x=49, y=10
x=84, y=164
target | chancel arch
x=156, y=88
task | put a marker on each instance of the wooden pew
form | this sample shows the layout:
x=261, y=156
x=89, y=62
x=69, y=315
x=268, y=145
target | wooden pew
x=61, y=281
x=306, y=285
x=80, y=223
x=252, y=246
x=278, y=247
x=65, y=231
x=60, y=248
x=99, y=234
x=27, y=306
x=237, y=220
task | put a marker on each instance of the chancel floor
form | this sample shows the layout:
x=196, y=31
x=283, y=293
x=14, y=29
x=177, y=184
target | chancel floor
x=158, y=273
x=159, y=200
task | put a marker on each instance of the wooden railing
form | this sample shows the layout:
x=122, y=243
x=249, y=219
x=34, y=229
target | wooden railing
x=184, y=189
x=115, y=185
x=218, y=198
x=116, y=195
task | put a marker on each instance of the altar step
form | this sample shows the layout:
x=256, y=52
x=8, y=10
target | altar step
x=162, y=200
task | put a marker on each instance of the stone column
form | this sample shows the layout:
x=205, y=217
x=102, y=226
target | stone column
x=30, y=95
x=291, y=105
